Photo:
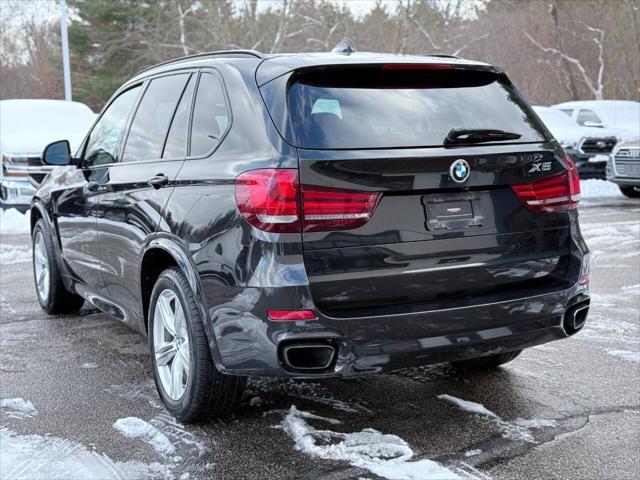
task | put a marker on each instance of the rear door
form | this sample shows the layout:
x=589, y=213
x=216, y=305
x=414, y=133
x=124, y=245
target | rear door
x=447, y=227
x=135, y=188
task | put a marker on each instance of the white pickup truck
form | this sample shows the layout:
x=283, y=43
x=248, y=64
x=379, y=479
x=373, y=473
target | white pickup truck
x=26, y=127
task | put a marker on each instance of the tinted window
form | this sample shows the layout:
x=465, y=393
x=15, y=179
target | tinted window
x=176, y=146
x=151, y=120
x=210, y=115
x=378, y=108
x=103, y=140
x=588, y=116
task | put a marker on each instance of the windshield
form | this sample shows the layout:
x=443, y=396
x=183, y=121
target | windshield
x=554, y=118
x=377, y=108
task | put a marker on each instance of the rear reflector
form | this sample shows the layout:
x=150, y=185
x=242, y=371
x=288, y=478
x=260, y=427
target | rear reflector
x=557, y=193
x=291, y=315
x=272, y=200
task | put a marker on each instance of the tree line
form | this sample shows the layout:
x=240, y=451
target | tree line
x=554, y=50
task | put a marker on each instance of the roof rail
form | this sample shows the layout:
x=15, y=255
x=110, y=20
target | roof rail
x=249, y=53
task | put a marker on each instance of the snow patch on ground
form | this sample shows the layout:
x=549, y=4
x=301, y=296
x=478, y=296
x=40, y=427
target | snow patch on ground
x=620, y=237
x=472, y=453
x=12, y=222
x=11, y=254
x=515, y=430
x=35, y=457
x=178, y=435
x=625, y=355
x=599, y=188
x=18, y=408
x=133, y=427
x=385, y=455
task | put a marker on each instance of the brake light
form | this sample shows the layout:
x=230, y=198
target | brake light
x=417, y=66
x=327, y=209
x=272, y=200
x=269, y=199
x=557, y=193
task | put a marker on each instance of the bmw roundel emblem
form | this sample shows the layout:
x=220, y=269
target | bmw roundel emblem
x=459, y=171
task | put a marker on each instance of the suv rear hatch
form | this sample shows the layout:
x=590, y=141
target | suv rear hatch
x=467, y=192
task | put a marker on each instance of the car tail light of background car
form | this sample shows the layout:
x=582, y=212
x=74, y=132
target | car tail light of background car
x=274, y=201
x=557, y=193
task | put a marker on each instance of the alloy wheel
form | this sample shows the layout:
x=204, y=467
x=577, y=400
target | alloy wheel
x=171, y=344
x=41, y=266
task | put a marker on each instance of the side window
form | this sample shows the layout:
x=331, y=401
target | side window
x=151, y=120
x=210, y=115
x=568, y=111
x=176, y=146
x=103, y=139
x=585, y=116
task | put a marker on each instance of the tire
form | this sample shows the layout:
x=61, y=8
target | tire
x=486, y=363
x=200, y=391
x=52, y=295
x=630, y=191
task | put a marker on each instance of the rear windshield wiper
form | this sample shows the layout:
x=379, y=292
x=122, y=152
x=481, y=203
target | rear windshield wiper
x=478, y=135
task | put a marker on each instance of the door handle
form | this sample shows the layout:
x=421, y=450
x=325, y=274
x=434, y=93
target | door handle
x=158, y=181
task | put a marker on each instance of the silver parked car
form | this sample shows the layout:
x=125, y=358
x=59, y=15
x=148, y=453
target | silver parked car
x=623, y=167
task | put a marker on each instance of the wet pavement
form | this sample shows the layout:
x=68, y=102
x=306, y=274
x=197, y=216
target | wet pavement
x=568, y=409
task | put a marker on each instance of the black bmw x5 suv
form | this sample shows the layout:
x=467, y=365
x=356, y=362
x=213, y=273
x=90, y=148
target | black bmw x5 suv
x=311, y=216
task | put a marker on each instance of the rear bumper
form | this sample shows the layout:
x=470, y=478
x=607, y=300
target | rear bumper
x=249, y=345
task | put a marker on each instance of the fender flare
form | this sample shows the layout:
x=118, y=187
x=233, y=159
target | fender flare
x=51, y=230
x=174, y=247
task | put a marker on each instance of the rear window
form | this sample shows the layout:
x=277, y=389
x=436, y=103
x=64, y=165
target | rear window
x=378, y=108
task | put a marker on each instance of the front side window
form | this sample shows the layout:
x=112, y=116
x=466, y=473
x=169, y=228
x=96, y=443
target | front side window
x=374, y=107
x=151, y=121
x=210, y=115
x=103, y=140
x=585, y=116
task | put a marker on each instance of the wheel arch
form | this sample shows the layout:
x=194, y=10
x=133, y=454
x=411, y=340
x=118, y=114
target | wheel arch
x=159, y=254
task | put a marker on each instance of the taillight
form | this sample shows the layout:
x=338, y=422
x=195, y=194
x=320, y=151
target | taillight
x=269, y=199
x=336, y=209
x=557, y=193
x=272, y=200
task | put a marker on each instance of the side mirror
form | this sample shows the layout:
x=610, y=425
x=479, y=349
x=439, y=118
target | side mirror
x=593, y=124
x=57, y=153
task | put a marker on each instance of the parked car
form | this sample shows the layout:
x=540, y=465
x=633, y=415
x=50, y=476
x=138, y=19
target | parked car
x=622, y=117
x=314, y=216
x=623, y=167
x=589, y=147
x=26, y=127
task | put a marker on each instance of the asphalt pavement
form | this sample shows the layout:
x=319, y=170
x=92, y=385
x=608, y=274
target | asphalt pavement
x=568, y=409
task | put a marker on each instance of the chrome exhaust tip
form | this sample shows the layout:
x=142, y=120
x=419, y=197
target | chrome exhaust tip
x=576, y=316
x=310, y=355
